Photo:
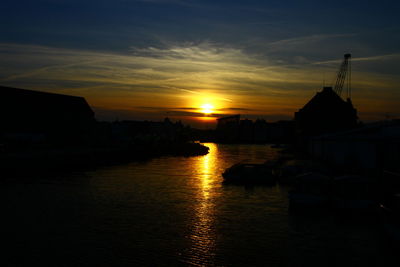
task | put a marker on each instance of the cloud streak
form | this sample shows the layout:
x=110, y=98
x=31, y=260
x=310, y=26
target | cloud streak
x=360, y=59
x=184, y=75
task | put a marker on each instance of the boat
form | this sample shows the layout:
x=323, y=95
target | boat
x=311, y=190
x=277, y=145
x=389, y=211
x=289, y=171
x=249, y=173
x=354, y=193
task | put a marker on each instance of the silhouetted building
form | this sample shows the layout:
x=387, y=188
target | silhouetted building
x=260, y=131
x=39, y=116
x=228, y=129
x=325, y=112
x=246, y=131
x=280, y=132
x=233, y=130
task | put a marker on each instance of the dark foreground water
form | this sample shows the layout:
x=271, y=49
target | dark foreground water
x=174, y=211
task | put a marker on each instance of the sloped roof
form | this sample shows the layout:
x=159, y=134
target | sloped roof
x=327, y=99
x=14, y=98
x=325, y=112
x=27, y=110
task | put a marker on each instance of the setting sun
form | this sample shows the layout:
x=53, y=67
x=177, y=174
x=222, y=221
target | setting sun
x=207, y=109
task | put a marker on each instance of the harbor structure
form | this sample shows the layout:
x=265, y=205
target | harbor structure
x=327, y=111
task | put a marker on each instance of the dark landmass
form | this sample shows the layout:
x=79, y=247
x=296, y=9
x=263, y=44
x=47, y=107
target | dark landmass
x=49, y=132
x=78, y=158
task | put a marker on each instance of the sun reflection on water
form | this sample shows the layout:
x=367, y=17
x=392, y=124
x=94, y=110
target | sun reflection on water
x=203, y=234
x=205, y=177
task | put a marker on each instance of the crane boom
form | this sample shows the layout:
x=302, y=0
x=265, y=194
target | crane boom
x=341, y=76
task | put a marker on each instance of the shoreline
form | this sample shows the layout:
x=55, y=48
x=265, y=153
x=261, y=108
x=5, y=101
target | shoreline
x=85, y=157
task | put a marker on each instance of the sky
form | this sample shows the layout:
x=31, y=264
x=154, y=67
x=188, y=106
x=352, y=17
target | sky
x=151, y=59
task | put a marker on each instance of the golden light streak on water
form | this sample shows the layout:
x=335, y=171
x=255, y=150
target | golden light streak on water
x=203, y=234
x=205, y=178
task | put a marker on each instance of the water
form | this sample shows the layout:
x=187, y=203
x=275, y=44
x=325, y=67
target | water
x=174, y=211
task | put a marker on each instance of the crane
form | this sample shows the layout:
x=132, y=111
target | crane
x=341, y=76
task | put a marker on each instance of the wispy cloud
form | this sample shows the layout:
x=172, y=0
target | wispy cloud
x=290, y=43
x=179, y=75
x=189, y=111
x=178, y=2
x=360, y=59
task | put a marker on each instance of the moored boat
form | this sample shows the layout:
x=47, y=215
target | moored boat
x=311, y=190
x=249, y=173
x=389, y=210
x=354, y=193
x=288, y=171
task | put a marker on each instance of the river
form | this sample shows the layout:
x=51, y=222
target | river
x=175, y=211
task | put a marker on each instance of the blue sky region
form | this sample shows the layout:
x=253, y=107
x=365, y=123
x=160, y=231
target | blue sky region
x=148, y=59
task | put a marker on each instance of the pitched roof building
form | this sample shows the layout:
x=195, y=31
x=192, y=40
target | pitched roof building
x=325, y=112
x=53, y=115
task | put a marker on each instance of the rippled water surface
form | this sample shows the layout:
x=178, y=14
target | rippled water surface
x=174, y=211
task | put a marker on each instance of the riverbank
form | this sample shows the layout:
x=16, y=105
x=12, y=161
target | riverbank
x=86, y=157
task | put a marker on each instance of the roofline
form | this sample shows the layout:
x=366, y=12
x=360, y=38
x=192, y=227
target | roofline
x=39, y=92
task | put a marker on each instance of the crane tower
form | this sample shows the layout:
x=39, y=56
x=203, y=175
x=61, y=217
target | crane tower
x=341, y=77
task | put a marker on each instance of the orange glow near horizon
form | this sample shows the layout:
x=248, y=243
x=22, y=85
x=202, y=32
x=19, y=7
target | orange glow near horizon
x=205, y=118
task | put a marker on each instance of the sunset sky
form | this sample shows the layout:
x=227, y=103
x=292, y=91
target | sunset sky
x=149, y=59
